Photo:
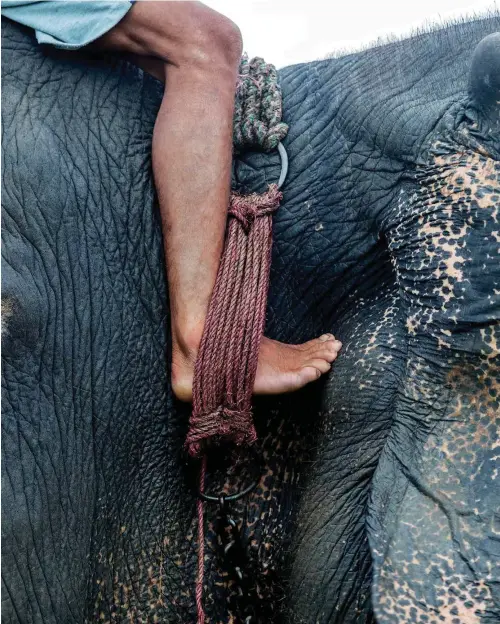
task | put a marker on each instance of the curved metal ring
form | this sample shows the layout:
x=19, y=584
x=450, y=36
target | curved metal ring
x=208, y=498
x=284, y=164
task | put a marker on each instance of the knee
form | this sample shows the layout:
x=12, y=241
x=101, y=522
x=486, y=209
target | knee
x=185, y=34
x=216, y=41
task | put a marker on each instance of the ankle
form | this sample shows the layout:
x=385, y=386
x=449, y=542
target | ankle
x=185, y=345
x=186, y=340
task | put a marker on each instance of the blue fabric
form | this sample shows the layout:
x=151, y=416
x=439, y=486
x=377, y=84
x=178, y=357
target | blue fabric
x=67, y=24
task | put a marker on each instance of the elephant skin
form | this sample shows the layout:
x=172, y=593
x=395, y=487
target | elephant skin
x=379, y=496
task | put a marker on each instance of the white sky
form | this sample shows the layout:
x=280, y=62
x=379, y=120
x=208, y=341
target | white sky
x=292, y=31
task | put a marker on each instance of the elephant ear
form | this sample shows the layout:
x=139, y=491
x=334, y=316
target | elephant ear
x=433, y=521
x=484, y=82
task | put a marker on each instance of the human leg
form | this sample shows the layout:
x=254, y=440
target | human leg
x=200, y=50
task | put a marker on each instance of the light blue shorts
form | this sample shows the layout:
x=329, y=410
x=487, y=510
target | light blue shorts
x=67, y=24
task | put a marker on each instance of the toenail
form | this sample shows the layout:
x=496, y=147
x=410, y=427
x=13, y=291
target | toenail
x=325, y=337
x=338, y=344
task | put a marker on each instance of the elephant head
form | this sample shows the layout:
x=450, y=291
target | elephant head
x=378, y=494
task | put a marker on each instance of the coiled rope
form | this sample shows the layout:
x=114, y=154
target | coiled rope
x=227, y=359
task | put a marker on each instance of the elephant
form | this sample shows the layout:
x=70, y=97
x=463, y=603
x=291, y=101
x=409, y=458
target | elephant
x=378, y=486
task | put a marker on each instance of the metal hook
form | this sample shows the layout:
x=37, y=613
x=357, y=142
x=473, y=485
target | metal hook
x=222, y=499
x=208, y=498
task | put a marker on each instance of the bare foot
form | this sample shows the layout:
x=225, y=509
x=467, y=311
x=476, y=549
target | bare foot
x=281, y=368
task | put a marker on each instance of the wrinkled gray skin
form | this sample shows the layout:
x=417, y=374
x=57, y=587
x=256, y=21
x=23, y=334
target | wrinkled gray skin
x=380, y=484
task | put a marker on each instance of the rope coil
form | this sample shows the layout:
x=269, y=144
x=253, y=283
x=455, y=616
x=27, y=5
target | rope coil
x=227, y=360
x=258, y=107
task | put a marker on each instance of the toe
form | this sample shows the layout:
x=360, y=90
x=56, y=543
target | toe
x=322, y=365
x=327, y=350
x=327, y=341
x=312, y=371
x=307, y=375
x=319, y=344
x=329, y=356
x=334, y=345
x=326, y=337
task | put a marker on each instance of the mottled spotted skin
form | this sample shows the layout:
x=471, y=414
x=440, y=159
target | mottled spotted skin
x=264, y=518
x=435, y=545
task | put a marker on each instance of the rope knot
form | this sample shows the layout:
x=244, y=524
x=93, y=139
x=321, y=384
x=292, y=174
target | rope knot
x=223, y=423
x=247, y=208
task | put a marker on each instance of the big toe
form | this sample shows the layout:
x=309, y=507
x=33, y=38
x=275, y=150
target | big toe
x=312, y=371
